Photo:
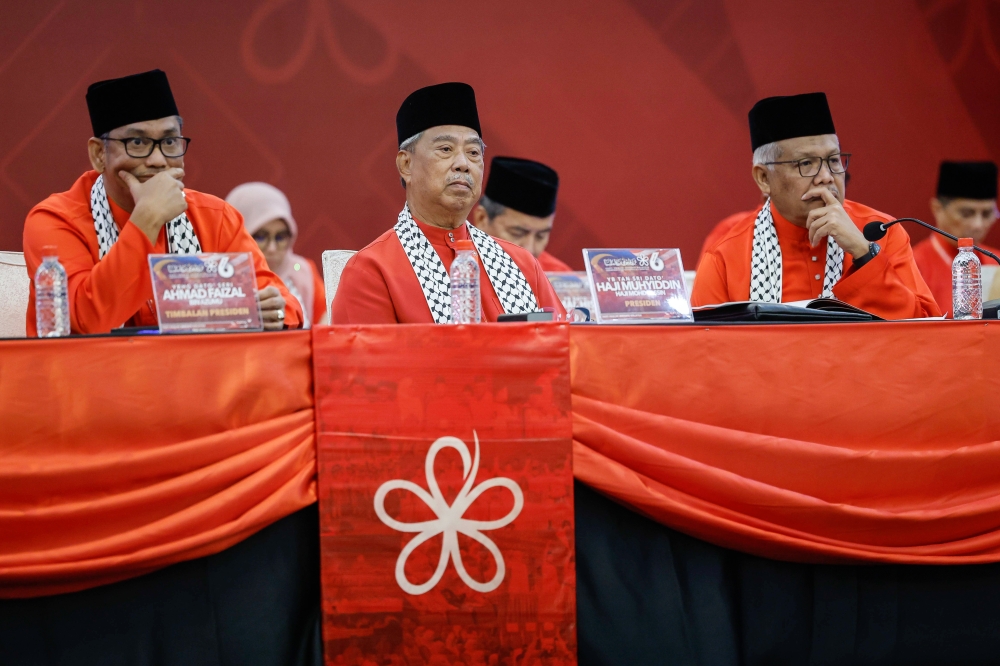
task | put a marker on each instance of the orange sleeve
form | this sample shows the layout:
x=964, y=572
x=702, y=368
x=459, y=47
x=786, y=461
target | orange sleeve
x=319, y=294
x=710, y=282
x=890, y=285
x=102, y=295
x=236, y=239
x=363, y=295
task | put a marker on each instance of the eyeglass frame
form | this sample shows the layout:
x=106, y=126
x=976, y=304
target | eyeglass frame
x=156, y=144
x=822, y=160
x=272, y=238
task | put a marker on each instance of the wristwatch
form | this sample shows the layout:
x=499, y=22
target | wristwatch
x=873, y=250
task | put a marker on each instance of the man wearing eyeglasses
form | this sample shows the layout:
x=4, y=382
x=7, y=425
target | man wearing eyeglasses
x=965, y=205
x=133, y=204
x=805, y=241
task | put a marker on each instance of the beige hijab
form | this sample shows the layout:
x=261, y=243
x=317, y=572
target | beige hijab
x=259, y=203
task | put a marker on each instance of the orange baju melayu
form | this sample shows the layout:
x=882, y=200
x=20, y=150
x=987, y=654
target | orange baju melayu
x=116, y=290
x=889, y=285
x=934, y=256
x=720, y=230
x=550, y=264
x=378, y=285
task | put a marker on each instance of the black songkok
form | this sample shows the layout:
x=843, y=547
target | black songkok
x=779, y=118
x=130, y=99
x=526, y=186
x=443, y=104
x=967, y=180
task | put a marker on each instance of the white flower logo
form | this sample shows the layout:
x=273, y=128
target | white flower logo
x=449, y=518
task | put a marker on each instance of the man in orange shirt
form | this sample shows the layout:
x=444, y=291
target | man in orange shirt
x=519, y=206
x=402, y=276
x=805, y=241
x=965, y=206
x=720, y=230
x=134, y=204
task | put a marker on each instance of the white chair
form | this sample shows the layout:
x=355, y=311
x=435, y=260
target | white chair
x=333, y=265
x=14, y=284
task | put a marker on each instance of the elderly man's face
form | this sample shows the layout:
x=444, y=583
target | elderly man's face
x=444, y=169
x=786, y=186
x=966, y=218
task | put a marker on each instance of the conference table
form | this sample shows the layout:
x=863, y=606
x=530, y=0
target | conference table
x=782, y=493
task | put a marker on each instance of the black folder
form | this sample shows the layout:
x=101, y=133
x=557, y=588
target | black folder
x=820, y=310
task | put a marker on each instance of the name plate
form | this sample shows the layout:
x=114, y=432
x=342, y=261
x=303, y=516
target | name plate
x=632, y=285
x=198, y=293
x=573, y=290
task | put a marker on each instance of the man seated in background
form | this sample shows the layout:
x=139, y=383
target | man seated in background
x=402, y=276
x=965, y=206
x=134, y=204
x=520, y=205
x=805, y=241
x=722, y=228
x=267, y=216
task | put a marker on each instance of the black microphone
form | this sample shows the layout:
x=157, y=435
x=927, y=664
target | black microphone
x=874, y=231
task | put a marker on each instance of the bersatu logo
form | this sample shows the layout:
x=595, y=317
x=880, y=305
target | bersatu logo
x=449, y=522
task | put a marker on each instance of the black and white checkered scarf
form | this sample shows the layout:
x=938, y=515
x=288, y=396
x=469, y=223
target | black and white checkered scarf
x=508, y=281
x=765, y=261
x=181, y=238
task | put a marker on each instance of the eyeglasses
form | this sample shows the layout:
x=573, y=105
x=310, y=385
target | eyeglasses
x=142, y=146
x=809, y=167
x=264, y=239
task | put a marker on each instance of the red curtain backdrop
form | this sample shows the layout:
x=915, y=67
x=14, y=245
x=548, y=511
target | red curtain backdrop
x=119, y=456
x=387, y=397
x=823, y=443
x=639, y=104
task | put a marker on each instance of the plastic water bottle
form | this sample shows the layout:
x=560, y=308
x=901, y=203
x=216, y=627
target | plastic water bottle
x=51, y=296
x=466, y=306
x=966, y=283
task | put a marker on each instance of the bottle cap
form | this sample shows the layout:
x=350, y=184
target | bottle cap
x=965, y=242
x=50, y=251
x=465, y=245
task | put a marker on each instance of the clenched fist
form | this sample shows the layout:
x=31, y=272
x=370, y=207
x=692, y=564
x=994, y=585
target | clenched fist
x=157, y=201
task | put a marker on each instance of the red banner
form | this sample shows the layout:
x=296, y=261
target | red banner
x=122, y=455
x=446, y=496
x=831, y=443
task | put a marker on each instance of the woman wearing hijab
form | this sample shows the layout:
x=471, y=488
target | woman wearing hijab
x=268, y=218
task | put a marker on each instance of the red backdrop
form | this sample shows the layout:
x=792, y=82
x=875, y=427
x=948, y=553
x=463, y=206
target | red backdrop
x=639, y=104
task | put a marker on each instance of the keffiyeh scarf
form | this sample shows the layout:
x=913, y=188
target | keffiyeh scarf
x=181, y=238
x=765, y=261
x=508, y=281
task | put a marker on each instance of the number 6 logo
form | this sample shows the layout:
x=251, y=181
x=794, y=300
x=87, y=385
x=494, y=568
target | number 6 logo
x=655, y=262
x=226, y=269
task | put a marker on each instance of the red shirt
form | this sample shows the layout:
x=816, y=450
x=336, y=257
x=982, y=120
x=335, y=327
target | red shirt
x=889, y=285
x=720, y=230
x=116, y=290
x=934, y=256
x=378, y=285
x=550, y=264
